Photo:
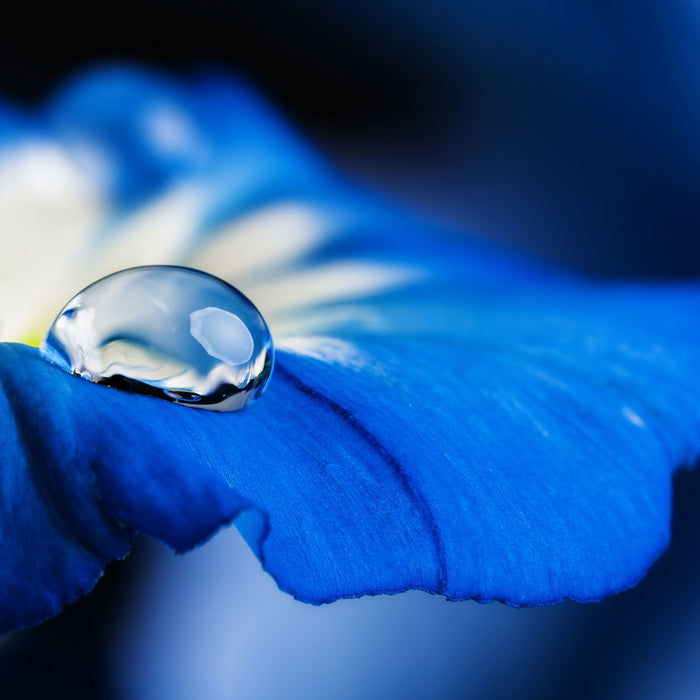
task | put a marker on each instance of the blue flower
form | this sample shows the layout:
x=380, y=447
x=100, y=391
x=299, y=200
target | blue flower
x=444, y=415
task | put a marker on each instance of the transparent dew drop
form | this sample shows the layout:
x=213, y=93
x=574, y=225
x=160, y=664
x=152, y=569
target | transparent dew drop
x=172, y=332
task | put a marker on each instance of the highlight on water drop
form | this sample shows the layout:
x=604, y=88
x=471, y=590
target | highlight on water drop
x=171, y=332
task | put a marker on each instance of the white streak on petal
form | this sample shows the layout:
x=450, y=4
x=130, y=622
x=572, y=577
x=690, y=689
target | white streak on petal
x=633, y=417
x=158, y=233
x=329, y=283
x=327, y=349
x=49, y=209
x=324, y=320
x=43, y=170
x=259, y=241
x=171, y=131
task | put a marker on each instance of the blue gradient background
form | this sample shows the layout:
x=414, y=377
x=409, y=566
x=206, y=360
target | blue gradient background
x=570, y=131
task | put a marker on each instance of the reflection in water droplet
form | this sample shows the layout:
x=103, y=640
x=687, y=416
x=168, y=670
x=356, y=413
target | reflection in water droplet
x=171, y=332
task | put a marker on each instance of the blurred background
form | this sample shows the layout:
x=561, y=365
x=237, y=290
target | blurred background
x=564, y=128
x=568, y=130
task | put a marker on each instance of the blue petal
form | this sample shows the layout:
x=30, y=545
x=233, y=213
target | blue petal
x=518, y=449
x=55, y=540
x=496, y=429
x=154, y=131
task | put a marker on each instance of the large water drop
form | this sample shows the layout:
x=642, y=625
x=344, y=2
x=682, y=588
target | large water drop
x=171, y=332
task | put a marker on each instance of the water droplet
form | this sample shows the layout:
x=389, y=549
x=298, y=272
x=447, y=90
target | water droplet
x=171, y=332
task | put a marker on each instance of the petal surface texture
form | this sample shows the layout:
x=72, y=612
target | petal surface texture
x=443, y=415
x=55, y=540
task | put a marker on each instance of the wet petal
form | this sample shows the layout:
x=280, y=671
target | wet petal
x=444, y=415
x=519, y=449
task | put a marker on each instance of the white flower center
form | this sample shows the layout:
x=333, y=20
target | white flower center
x=60, y=232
